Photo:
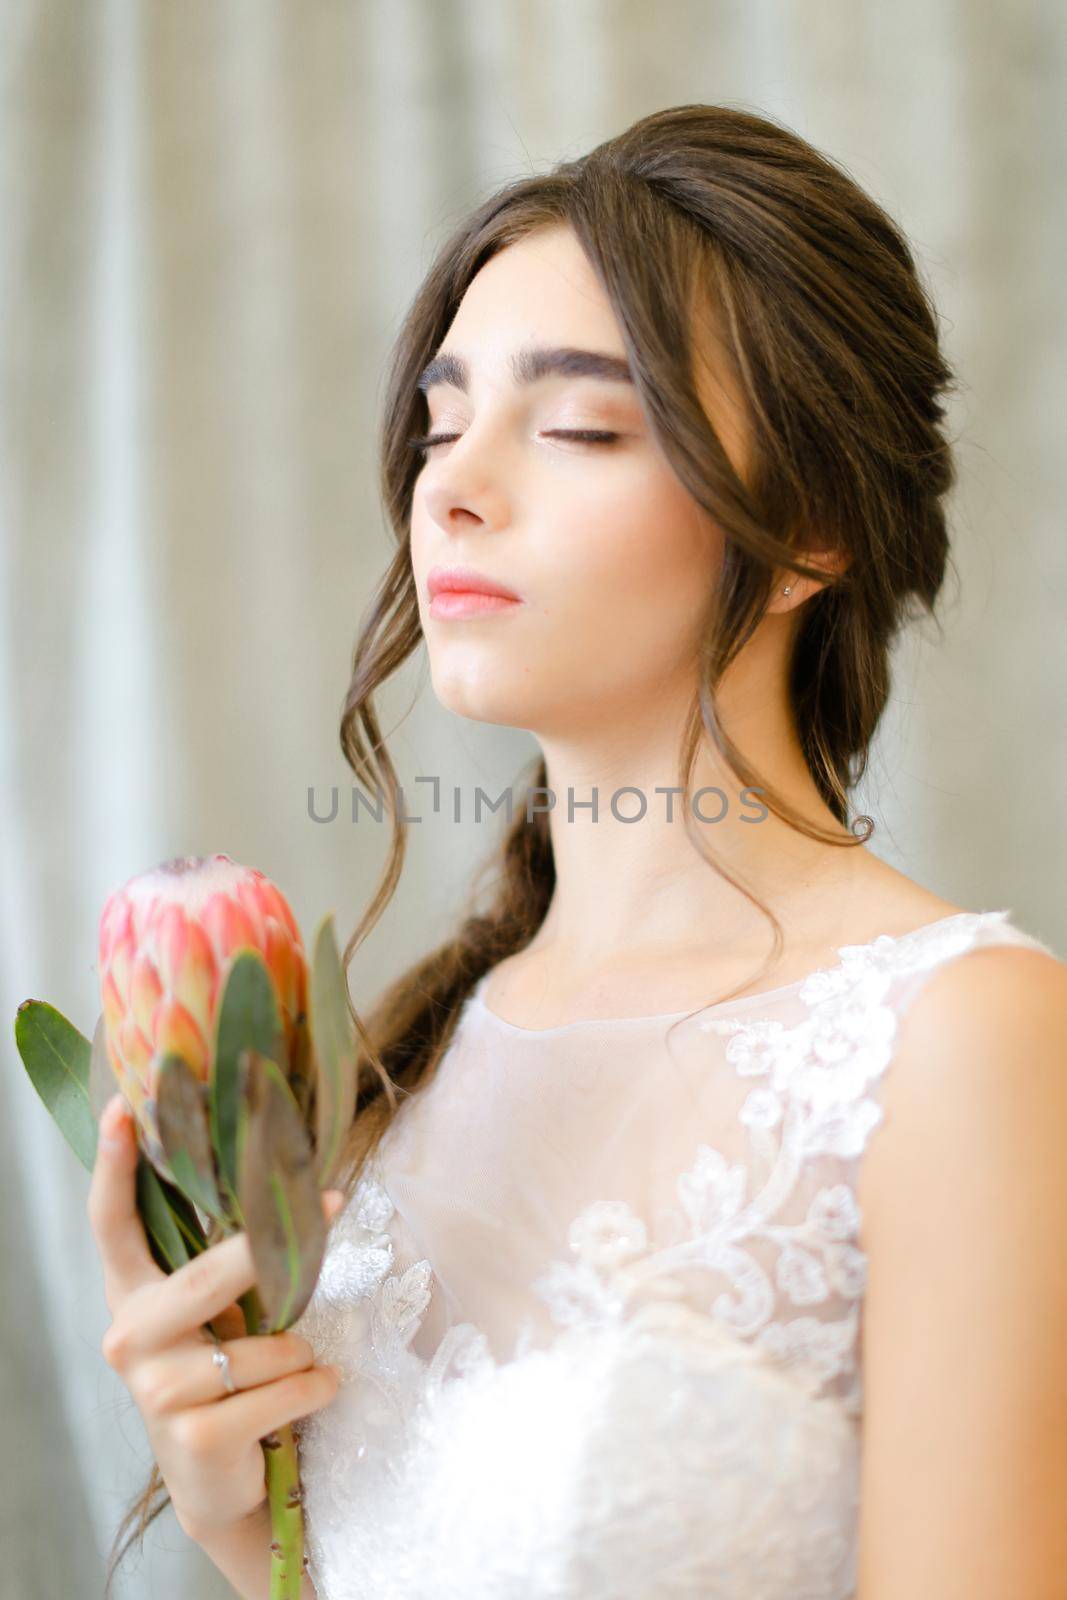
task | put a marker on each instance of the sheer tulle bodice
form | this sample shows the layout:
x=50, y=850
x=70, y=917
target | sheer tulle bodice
x=598, y=1302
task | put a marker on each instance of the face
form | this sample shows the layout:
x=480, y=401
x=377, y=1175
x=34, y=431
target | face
x=612, y=560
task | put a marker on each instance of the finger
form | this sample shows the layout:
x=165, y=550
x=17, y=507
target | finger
x=191, y=1377
x=197, y=1292
x=112, y=1205
x=255, y=1413
x=230, y=1323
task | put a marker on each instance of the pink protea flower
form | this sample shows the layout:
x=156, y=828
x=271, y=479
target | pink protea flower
x=167, y=939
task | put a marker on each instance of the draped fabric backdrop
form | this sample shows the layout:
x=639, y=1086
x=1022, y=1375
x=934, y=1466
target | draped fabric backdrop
x=213, y=216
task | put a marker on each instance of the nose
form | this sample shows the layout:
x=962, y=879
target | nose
x=465, y=488
x=456, y=508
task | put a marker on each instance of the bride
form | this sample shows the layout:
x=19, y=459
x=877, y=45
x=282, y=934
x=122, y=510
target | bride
x=703, y=1233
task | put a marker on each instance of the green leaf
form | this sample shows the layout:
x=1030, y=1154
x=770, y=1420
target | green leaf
x=248, y=1019
x=173, y=1228
x=56, y=1056
x=279, y=1195
x=182, y=1116
x=333, y=1040
x=59, y=1061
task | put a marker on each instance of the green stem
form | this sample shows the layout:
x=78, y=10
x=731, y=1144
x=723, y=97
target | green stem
x=283, y=1489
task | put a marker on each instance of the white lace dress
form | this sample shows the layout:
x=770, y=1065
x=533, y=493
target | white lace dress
x=599, y=1303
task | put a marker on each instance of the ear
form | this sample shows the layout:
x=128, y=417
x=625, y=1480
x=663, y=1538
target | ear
x=831, y=561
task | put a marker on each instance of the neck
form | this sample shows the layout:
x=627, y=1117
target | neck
x=627, y=888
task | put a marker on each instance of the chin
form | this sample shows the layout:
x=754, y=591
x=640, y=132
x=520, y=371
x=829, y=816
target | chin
x=481, y=701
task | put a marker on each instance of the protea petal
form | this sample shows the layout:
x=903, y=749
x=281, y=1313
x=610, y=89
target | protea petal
x=146, y=991
x=248, y=898
x=118, y=1066
x=281, y=964
x=176, y=1030
x=172, y=938
x=136, y=1099
x=197, y=978
x=120, y=966
x=144, y=914
x=111, y=1000
x=135, y=1049
x=228, y=926
x=275, y=905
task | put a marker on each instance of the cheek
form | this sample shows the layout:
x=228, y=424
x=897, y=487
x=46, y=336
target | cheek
x=419, y=542
x=636, y=564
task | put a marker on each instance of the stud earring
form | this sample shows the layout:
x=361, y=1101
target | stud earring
x=788, y=589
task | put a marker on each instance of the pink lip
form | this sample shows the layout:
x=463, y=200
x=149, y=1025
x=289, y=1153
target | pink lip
x=463, y=592
x=452, y=603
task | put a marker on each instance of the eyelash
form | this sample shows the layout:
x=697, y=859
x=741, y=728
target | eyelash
x=426, y=441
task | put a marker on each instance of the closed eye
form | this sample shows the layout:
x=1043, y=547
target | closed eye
x=426, y=441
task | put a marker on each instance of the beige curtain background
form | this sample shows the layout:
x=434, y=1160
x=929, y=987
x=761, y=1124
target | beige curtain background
x=212, y=217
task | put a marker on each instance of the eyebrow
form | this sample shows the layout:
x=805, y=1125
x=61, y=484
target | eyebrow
x=529, y=364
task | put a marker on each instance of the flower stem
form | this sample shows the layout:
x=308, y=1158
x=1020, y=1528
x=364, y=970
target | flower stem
x=283, y=1489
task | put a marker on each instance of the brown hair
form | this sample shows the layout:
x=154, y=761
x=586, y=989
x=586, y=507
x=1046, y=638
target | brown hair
x=767, y=256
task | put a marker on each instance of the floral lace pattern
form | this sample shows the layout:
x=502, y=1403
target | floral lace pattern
x=612, y=1265
x=815, y=1100
x=689, y=1313
x=362, y=1317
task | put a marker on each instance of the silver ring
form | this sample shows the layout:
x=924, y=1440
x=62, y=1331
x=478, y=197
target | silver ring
x=221, y=1360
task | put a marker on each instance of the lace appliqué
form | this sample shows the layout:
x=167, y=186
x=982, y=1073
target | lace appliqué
x=815, y=1102
x=617, y=1277
x=362, y=1316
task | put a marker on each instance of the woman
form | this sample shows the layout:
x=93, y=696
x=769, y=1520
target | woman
x=647, y=1262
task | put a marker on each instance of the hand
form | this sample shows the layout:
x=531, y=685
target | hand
x=206, y=1442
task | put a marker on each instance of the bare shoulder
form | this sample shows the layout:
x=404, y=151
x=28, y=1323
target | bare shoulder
x=977, y=1010
x=888, y=900
x=959, y=1055
x=963, y=1195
